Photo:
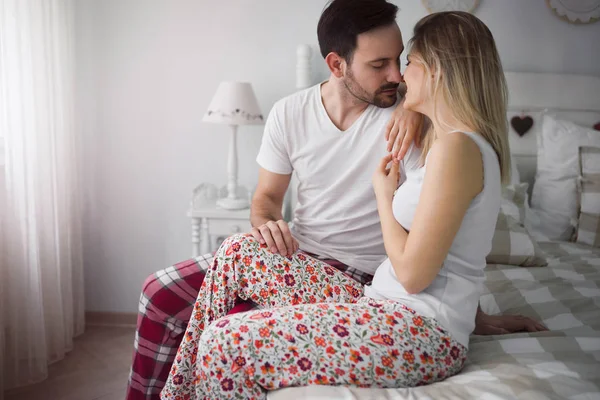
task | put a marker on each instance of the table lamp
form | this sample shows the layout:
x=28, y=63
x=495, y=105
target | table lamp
x=233, y=104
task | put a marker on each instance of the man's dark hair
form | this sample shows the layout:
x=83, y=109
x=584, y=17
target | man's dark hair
x=343, y=20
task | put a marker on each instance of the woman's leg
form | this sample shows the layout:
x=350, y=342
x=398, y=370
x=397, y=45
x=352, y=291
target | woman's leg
x=370, y=344
x=245, y=269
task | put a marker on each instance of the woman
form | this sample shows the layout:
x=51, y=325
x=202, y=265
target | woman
x=411, y=326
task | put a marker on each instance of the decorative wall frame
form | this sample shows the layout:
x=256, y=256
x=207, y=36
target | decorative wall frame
x=576, y=11
x=450, y=5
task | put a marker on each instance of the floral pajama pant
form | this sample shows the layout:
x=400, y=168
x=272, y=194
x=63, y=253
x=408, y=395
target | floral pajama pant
x=317, y=328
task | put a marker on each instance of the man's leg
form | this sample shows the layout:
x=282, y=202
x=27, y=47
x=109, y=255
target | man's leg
x=245, y=269
x=165, y=308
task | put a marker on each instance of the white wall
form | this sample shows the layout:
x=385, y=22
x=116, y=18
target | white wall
x=147, y=71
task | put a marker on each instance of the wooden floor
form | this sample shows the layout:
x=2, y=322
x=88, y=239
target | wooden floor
x=96, y=369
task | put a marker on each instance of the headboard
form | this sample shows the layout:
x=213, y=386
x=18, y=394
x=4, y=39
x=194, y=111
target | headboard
x=572, y=97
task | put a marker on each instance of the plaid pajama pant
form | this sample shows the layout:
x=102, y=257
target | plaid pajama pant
x=165, y=307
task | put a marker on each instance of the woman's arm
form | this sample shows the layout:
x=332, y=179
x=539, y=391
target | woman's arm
x=454, y=177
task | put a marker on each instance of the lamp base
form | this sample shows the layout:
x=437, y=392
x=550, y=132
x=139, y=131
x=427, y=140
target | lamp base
x=232, y=204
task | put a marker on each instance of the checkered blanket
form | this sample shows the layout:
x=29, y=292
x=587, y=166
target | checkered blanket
x=563, y=363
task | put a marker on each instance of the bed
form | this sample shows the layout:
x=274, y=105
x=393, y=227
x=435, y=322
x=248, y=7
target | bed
x=563, y=363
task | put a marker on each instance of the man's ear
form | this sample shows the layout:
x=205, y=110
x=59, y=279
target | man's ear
x=336, y=64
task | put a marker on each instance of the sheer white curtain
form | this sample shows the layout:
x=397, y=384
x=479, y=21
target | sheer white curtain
x=41, y=282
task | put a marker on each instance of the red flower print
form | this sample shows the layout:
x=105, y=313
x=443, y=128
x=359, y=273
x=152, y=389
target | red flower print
x=448, y=360
x=264, y=332
x=337, y=290
x=341, y=331
x=330, y=350
x=355, y=356
x=319, y=341
x=391, y=320
x=267, y=369
x=293, y=370
x=236, y=246
x=418, y=321
x=244, y=328
x=289, y=279
x=304, y=363
x=340, y=372
x=222, y=323
x=329, y=270
x=344, y=321
x=302, y=257
x=238, y=363
x=178, y=379
x=365, y=350
x=258, y=344
x=387, y=361
x=321, y=380
x=298, y=316
x=454, y=352
x=264, y=293
x=379, y=371
x=289, y=338
x=414, y=330
x=312, y=299
x=314, y=278
x=426, y=358
x=302, y=329
x=247, y=261
x=226, y=268
x=227, y=384
x=382, y=339
x=360, y=321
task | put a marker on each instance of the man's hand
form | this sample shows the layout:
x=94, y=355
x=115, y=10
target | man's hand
x=277, y=236
x=502, y=324
x=404, y=127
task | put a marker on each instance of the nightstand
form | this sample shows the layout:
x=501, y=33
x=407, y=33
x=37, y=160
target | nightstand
x=211, y=224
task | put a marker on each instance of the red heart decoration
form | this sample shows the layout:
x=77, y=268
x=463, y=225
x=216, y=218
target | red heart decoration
x=597, y=126
x=521, y=124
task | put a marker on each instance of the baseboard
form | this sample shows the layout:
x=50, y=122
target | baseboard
x=99, y=318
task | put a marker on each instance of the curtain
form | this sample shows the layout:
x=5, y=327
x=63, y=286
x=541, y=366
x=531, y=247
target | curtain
x=41, y=268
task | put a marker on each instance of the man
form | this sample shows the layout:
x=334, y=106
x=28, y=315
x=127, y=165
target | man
x=332, y=136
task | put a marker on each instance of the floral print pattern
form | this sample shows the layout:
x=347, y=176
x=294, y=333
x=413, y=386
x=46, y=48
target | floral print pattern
x=318, y=329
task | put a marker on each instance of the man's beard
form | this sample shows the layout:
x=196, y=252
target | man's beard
x=378, y=98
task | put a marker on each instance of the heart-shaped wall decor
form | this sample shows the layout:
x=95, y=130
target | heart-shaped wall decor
x=521, y=124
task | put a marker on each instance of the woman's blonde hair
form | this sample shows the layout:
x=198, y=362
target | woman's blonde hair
x=459, y=51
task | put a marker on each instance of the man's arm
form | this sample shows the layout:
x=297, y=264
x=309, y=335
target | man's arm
x=266, y=216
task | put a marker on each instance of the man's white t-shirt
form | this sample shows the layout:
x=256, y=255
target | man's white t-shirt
x=336, y=214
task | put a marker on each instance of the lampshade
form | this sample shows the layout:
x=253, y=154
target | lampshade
x=234, y=103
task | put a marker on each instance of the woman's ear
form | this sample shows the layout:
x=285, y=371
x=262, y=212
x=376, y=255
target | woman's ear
x=336, y=64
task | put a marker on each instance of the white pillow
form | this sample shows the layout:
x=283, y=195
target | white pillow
x=515, y=176
x=554, y=199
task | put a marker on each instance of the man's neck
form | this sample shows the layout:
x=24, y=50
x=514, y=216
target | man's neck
x=342, y=108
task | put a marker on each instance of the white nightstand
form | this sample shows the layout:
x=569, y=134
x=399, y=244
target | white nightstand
x=211, y=224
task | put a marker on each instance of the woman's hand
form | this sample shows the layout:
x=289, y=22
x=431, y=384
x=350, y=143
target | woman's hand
x=404, y=127
x=385, y=180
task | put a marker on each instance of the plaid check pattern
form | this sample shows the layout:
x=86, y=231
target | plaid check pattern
x=588, y=230
x=512, y=244
x=563, y=363
x=164, y=310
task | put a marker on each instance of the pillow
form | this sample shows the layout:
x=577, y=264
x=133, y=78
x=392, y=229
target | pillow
x=588, y=230
x=515, y=176
x=554, y=200
x=512, y=244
